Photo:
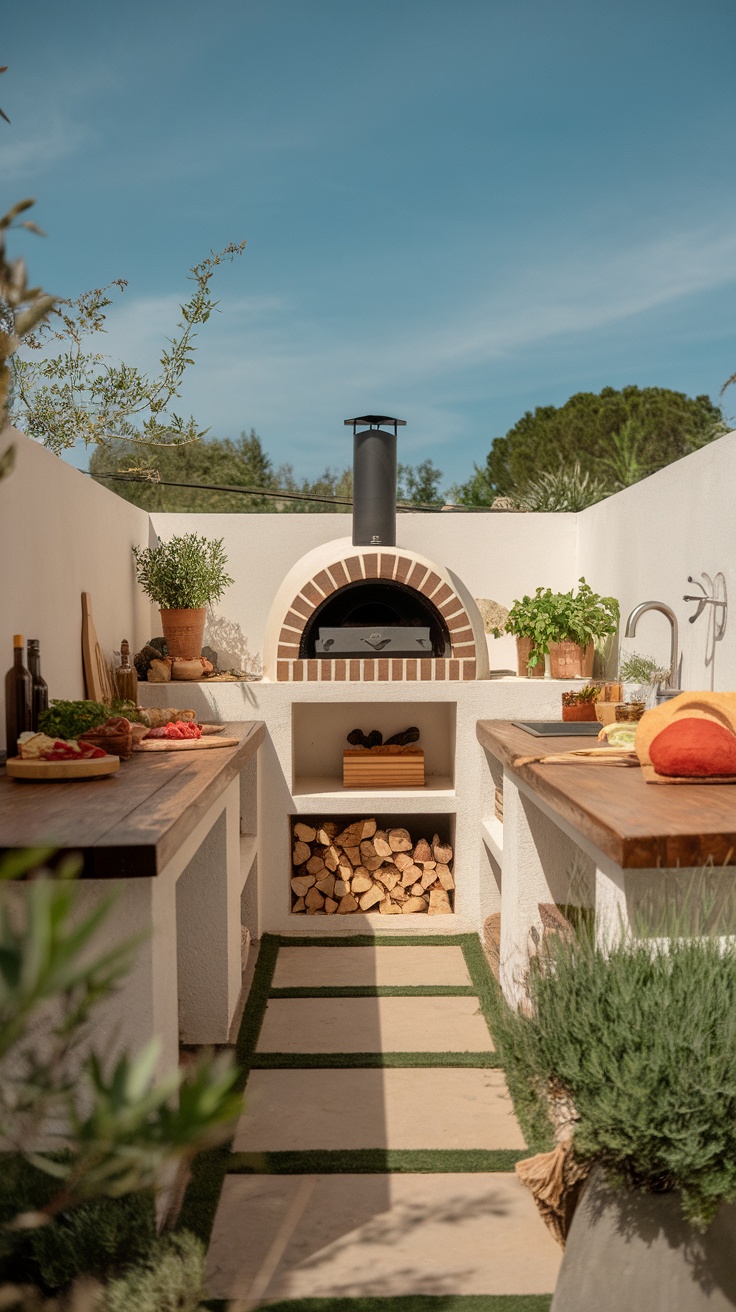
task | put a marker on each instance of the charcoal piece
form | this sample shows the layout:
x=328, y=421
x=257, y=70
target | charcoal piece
x=374, y=739
x=357, y=738
x=142, y=660
x=210, y=655
x=160, y=645
x=403, y=739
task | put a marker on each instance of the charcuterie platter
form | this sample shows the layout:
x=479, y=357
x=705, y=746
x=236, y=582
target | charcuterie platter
x=91, y=768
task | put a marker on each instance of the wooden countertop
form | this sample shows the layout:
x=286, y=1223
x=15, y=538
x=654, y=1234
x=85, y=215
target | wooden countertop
x=129, y=824
x=638, y=825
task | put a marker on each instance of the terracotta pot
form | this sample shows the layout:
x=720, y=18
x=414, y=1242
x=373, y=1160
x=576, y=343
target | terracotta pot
x=523, y=651
x=629, y=1249
x=568, y=660
x=184, y=631
x=583, y=711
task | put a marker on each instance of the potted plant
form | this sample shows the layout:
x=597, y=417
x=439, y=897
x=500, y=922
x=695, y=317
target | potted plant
x=580, y=705
x=183, y=576
x=646, y=674
x=562, y=625
x=634, y=1037
x=533, y=622
x=582, y=618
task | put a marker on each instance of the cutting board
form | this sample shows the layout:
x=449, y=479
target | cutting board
x=98, y=680
x=96, y=767
x=183, y=744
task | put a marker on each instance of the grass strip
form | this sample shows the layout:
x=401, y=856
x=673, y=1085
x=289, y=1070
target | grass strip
x=378, y=991
x=376, y=1161
x=373, y=940
x=322, y=1060
x=404, y=1303
x=208, y=1168
x=529, y=1108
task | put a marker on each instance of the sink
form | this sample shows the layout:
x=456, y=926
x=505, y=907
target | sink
x=560, y=728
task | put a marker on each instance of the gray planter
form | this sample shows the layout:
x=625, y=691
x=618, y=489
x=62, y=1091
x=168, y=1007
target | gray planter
x=628, y=1251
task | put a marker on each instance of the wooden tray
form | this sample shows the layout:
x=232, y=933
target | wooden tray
x=378, y=767
x=183, y=744
x=94, y=768
x=651, y=777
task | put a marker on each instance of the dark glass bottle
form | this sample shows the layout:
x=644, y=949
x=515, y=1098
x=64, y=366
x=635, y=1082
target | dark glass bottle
x=39, y=689
x=126, y=677
x=18, y=699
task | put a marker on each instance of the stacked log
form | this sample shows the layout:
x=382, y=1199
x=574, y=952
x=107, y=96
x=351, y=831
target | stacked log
x=362, y=869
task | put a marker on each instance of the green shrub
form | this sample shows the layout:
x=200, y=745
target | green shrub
x=643, y=1039
x=99, y=1238
x=169, y=1281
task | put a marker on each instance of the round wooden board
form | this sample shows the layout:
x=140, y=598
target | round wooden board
x=94, y=768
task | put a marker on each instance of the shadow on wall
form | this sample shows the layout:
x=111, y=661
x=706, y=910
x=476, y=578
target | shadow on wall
x=232, y=646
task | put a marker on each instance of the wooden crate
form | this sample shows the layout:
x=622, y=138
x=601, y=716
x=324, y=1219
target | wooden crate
x=383, y=767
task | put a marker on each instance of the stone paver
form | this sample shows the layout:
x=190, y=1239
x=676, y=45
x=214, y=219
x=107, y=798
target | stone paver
x=321, y=1025
x=393, y=1107
x=315, y=967
x=382, y=1235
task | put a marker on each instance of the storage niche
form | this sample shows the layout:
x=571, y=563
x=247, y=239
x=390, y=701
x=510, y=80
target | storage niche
x=320, y=730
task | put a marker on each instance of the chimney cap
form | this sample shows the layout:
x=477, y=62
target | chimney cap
x=375, y=421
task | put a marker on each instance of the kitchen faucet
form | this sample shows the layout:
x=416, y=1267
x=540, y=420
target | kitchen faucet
x=671, y=688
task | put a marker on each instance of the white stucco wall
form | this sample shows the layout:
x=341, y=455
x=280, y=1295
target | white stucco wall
x=498, y=556
x=642, y=544
x=61, y=534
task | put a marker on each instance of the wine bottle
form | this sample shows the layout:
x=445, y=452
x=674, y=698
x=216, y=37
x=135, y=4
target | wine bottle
x=18, y=699
x=126, y=677
x=39, y=686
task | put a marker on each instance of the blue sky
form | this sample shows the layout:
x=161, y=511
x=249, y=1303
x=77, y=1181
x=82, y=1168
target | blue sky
x=455, y=210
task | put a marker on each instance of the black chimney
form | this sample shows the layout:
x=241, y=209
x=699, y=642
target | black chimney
x=374, y=481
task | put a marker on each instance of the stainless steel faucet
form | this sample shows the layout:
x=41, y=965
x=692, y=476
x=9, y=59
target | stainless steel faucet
x=664, y=609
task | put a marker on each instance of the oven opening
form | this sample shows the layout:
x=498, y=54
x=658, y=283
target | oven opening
x=375, y=618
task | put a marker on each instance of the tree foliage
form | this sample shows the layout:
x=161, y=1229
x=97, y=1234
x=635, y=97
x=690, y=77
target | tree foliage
x=614, y=436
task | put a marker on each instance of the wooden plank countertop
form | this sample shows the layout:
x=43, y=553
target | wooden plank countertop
x=130, y=824
x=638, y=825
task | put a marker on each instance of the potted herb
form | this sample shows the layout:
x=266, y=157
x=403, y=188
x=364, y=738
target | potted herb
x=646, y=674
x=581, y=705
x=582, y=619
x=532, y=621
x=563, y=625
x=635, y=1038
x=183, y=576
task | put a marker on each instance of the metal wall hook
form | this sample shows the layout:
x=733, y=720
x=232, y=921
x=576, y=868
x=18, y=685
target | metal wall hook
x=713, y=593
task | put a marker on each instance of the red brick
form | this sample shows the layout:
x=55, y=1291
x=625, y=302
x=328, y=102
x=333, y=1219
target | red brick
x=426, y=668
x=323, y=581
x=370, y=565
x=302, y=607
x=453, y=610
x=465, y=649
x=397, y=671
x=369, y=671
x=312, y=671
x=415, y=576
x=453, y=671
x=430, y=584
x=282, y=671
x=388, y=565
x=440, y=669
x=469, y=669
x=411, y=670
x=352, y=565
x=459, y=621
x=288, y=652
x=310, y=592
x=294, y=621
x=443, y=595
x=459, y=636
x=297, y=671
x=402, y=569
x=339, y=574
x=325, y=671
x=340, y=671
x=354, y=672
x=382, y=673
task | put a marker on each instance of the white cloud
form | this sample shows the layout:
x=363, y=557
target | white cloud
x=23, y=156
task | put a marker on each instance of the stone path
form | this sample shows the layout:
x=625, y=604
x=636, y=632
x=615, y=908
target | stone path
x=334, y=1227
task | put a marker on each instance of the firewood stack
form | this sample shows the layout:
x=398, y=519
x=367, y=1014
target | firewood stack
x=366, y=869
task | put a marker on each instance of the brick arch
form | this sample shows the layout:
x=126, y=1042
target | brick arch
x=465, y=661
